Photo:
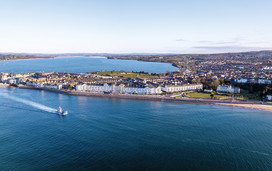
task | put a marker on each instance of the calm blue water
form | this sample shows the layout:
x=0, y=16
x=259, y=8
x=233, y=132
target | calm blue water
x=115, y=134
x=82, y=65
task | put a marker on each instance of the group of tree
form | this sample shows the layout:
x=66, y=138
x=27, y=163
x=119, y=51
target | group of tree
x=259, y=89
x=210, y=83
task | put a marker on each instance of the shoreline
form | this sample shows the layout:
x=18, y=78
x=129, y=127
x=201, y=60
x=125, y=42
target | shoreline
x=18, y=59
x=258, y=105
x=264, y=107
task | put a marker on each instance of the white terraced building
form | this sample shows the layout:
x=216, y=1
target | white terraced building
x=227, y=89
x=94, y=88
x=49, y=86
x=118, y=89
x=146, y=90
x=170, y=88
x=259, y=81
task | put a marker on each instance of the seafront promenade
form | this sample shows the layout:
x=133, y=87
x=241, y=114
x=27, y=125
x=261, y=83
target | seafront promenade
x=225, y=102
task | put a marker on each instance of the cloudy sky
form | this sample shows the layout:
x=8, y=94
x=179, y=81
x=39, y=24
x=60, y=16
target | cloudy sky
x=135, y=26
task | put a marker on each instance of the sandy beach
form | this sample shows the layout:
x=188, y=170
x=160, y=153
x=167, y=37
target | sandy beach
x=266, y=107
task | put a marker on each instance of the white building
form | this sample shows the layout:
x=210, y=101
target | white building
x=170, y=88
x=118, y=89
x=241, y=80
x=95, y=88
x=264, y=81
x=208, y=90
x=267, y=68
x=146, y=90
x=56, y=86
x=49, y=86
x=269, y=97
x=256, y=81
x=12, y=81
x=227, y=89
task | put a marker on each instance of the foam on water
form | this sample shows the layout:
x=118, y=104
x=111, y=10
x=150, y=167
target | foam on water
x=29, y=103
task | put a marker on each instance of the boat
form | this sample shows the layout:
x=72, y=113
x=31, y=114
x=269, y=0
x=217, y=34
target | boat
x=61, y=112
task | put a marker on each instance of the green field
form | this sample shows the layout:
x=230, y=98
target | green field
x=241, y=96
x=207, y=95
x=123, y=74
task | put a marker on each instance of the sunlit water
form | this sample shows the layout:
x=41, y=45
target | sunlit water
x=82, y=65
x=115, y=134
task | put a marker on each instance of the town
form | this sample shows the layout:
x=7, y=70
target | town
x=174, y=84
x=244, y=75
x=97, y=83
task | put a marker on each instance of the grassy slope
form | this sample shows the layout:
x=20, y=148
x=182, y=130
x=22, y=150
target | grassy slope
x=242, y=96
x=207, y=95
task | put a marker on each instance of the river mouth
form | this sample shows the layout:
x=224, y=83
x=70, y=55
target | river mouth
x=82, y=65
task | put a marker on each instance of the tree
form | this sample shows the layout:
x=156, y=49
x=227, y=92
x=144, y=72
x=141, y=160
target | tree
x=212, y=95
x=212, y=83
x=167, y=72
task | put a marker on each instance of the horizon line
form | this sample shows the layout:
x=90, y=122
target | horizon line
x=132, y=53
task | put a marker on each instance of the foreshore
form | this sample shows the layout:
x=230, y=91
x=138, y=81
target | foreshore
x=235, y=103
x=265, y=106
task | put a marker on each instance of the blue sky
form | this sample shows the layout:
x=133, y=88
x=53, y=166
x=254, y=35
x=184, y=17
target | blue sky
x=135, y=26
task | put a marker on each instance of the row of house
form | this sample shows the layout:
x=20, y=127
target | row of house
x=170, y=89
x=97, y=84
x=48, y=86
x=253, y=80
x=136, y=90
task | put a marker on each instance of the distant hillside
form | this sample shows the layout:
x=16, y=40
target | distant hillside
x=152, y=57
x=11, y=56
x=179, y=59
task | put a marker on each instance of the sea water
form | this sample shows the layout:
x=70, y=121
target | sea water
x=118, y=134
x=82, y=65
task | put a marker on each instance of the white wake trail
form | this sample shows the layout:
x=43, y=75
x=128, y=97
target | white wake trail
x=30, y=103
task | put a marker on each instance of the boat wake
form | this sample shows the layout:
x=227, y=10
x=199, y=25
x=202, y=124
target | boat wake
x=30, y=103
